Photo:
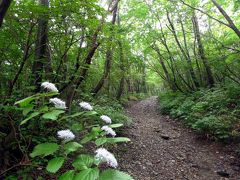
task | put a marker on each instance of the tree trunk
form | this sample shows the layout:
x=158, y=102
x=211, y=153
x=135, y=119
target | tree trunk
x=87, y=62
x=122, y=68
x=185, y=54
x=201, y=52
x=4, y=5
x=109, y=53
x=41, y=47
x=24, y=59
x=227, y=17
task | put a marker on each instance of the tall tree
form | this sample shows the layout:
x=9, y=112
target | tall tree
x=227, y=17
x=4, y=5
x=109, y=52
x=41, y=46
x=185, y=53
x=201, y=52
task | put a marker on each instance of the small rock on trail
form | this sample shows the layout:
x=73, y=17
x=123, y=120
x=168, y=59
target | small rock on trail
x=163, y=149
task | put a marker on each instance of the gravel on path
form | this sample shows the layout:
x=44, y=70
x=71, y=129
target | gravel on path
x=164, y=149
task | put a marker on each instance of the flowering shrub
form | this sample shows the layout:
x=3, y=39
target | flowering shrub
x=85, y=126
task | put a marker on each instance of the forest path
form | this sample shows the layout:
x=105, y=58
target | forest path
x=163, y=149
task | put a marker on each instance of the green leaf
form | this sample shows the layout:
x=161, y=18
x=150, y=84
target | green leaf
x=67, y=175
x=100, y=141
x=86, y=139
x=118, y=139
x=25, y=102
x=112, y=174
x=73, y=115
x=27, y=109
x=90, y=113
x=44, y=149
x=55, y=164
x=83, y=161
x=34, y=114
x=88, y=174
x=53, y=115
x=115, y=125
x=92, y=135
x=77, y=127
x=71, y=147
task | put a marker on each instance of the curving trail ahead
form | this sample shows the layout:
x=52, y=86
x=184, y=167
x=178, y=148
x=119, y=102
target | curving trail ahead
x=163, y=149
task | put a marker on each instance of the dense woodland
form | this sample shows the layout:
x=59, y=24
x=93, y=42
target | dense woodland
x=187, y=52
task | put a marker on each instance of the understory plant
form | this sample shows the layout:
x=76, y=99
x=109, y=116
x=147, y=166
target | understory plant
x=213, y=112
x=74, y=146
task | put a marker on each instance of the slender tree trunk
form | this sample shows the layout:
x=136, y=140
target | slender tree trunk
x=122, y=68
x=87, y=62
x=41, y=47
x=4, y=5
x=185, y=54
x=109, y=53
x=230, y=23
x=227, y=17
x=24, y=59
x=201, y=52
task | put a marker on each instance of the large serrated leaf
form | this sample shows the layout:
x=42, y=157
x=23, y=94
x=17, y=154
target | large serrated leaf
x=53, y=115
x=83, y=161
x=88, y=174
x=44, y=149
x=71, y=147
x=55, y=164
x=112, y=174
x=34, y=114
x=69, y=175
x=25, y=102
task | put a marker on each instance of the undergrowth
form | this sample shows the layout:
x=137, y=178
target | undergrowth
x=54, y=143
x=214, y=112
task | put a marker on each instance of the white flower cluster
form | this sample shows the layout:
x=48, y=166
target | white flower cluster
x=49, y=86
x=58, y=103
x=86, y=106
x=109, y=130
x=105, y=156
x=66, y=135
x=106, y=119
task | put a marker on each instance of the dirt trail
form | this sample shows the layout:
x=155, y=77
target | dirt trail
x=163, y=149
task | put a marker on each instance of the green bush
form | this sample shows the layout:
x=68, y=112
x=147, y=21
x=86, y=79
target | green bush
x=212, y=125
x=213, y=111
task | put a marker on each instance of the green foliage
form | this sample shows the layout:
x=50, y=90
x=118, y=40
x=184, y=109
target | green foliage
x=86, y=124
x=212, y=125
x=83, y=161
x=71, y=147
x=44, y=149
x=114, y=109
x=209, y=111
x=52, y=115
x=88, y=174
x=55, y=164
x=114, y=174
x=69, y=175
